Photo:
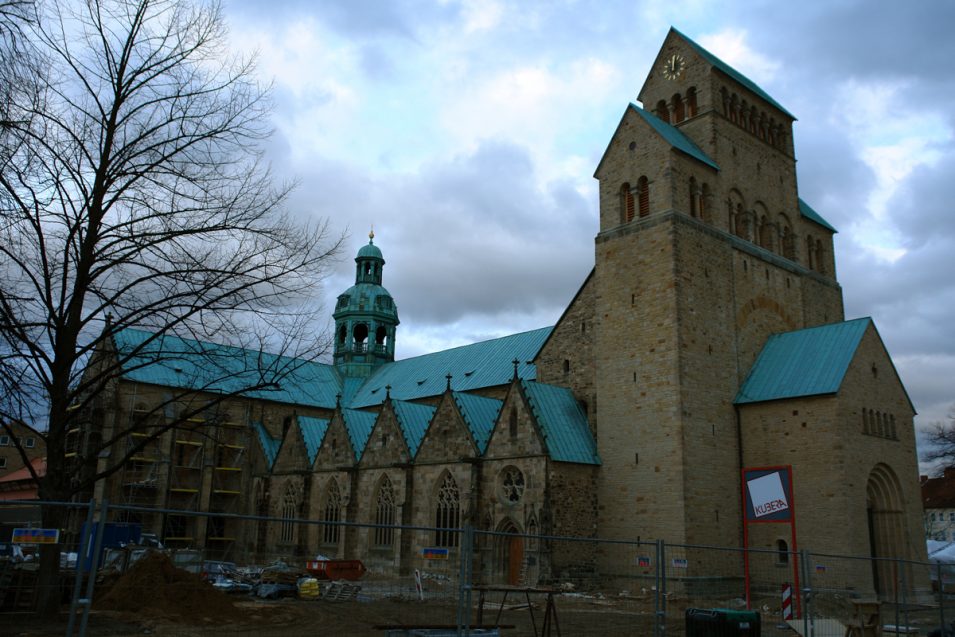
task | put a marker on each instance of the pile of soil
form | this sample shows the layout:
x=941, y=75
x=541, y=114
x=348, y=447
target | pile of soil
x=154, y=586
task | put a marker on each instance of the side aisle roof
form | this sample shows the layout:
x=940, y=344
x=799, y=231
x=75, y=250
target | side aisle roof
x=413, y=420
x=480, y=414
x=562, y=422
x=807, y=362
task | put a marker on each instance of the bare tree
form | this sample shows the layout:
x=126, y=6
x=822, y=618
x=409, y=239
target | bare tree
x=132, y=194
x=940, y=442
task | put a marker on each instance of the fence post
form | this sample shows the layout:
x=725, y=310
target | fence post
x=806, y=593
x=94, y=563
x=78, y=581
x=464, y=580
x=941, y=598
x=660, y=599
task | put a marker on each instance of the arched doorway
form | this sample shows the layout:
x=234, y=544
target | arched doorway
x=510, y=553
x=885, y=517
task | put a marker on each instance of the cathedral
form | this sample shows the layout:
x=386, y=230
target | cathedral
x=708, y=338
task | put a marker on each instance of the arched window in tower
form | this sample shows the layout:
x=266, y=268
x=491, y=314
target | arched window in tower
x=643, y=194
x=342, y=334
x=694, y=198
x=679, y=113
x=385, y=514
x=691, y=102
x=754, y=121
x=734, y=109
x=879, y=428
x=762, y=126
x=447, y=512
x=289, y=513
x=332, y=514
x=626, y=203
x=786, y=239
x=744, y=115
x=820, y=257
x=705, y=204
x=381, y=338
x=663, y=112
x=512, y=423
x=810, y=253
x=725, y=99
x=360, y=335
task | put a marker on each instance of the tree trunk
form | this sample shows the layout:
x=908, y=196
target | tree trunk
x=49, y=596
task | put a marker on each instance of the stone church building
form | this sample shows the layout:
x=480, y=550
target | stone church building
x=708, y=338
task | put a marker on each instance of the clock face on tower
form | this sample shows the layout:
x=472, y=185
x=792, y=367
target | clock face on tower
x=674, y=66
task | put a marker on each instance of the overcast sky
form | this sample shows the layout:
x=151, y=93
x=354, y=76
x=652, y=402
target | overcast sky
x=468, y=131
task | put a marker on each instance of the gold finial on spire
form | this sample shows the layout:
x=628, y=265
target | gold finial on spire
x=371, y=235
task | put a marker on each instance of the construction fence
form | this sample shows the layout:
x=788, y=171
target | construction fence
x=471, y=579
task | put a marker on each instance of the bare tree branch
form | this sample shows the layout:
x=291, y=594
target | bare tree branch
x=132, y=195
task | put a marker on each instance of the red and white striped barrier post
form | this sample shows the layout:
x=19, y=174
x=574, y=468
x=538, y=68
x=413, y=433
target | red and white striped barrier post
x=787, y=602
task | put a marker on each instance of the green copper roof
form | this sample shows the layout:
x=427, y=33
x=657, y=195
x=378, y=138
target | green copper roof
x=171, y=361
x=270, y=445
x=806, y=362
x=480, y=414
x=471, y=367
x=313, y=432
x=733, y=73
x=369, y=251
x=359, y=425
x=674, y=136
x=562, y=423
x=413, y=420
x=808, y=213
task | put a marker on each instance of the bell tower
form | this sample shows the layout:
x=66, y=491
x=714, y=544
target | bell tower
x=366, y=317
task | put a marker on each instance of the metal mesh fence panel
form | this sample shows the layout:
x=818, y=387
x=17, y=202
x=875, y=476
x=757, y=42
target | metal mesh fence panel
x=368, y=579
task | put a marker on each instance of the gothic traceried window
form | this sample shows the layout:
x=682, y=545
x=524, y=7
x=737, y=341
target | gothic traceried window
x=289, y=513
x=447, y=513
x=385, y=514
x=332, y=512
x=511, y=485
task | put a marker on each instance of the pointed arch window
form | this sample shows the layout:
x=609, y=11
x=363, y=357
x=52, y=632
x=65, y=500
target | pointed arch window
x=289, y=513
x=512, y=423
x=332, y=514
x=447, y=513
x=385, y=514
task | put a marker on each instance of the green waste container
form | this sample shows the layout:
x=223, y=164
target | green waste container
x=721, y=622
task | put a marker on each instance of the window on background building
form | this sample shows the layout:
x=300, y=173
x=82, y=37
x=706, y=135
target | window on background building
x=3, y=463
x=30, y=443
x=951, y=517
x=4, y=441
x=933, y=517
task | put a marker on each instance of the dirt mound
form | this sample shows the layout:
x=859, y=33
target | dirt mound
x=154, y=586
